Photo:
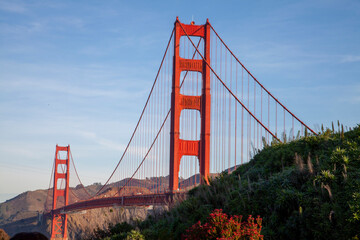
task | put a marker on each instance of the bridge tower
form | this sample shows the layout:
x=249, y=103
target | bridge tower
x=179, y=102
x=60, y=189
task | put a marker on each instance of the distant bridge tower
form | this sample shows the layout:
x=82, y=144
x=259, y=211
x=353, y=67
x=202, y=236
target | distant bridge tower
x=202, y=103
x=61, y=189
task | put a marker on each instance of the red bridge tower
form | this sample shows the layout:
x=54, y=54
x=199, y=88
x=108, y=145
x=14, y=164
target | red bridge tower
x=61, y=189
x=180, y=147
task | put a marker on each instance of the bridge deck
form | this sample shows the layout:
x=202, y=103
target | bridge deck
x=136, y=200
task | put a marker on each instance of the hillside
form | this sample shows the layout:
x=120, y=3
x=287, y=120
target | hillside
x=304, y=189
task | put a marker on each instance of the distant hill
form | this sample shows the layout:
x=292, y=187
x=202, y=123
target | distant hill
x=24, y=211
x=30, y=204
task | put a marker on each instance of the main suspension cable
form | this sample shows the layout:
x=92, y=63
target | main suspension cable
x=142, y=114
x=259, y=82
x=226, y=86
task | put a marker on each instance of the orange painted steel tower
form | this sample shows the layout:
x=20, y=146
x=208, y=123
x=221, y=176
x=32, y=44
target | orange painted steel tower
x=59, y=221
x=179, y=147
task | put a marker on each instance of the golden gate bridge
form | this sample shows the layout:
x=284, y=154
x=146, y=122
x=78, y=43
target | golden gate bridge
x=205, y=114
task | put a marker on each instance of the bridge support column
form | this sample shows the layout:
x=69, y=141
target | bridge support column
x=60, y=189
x=179, y=147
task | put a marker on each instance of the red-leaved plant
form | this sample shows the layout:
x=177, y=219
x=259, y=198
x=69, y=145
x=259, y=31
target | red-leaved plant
x=219, y=226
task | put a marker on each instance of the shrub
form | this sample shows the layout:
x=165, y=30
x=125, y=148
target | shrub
x=220, y=226
x=134, y=235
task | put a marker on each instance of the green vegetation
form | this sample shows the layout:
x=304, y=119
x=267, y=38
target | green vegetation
x=119, y=231
x=304, y=189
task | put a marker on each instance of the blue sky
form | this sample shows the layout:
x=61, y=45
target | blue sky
x=79, y=72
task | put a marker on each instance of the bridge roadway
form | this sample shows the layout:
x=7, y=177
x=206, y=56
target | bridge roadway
x=135, y=200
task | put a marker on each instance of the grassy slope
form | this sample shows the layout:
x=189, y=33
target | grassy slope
x=315, y=195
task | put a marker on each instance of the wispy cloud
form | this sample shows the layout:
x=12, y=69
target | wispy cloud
x=11, y=6
x=78, y=81
x=102, y=141
x=11, y=148
x=351, y=94
x=353, y=99
x=350, y=59
x=21, y=29
x=72, y=90
x=75, y=22
x=273, y=55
